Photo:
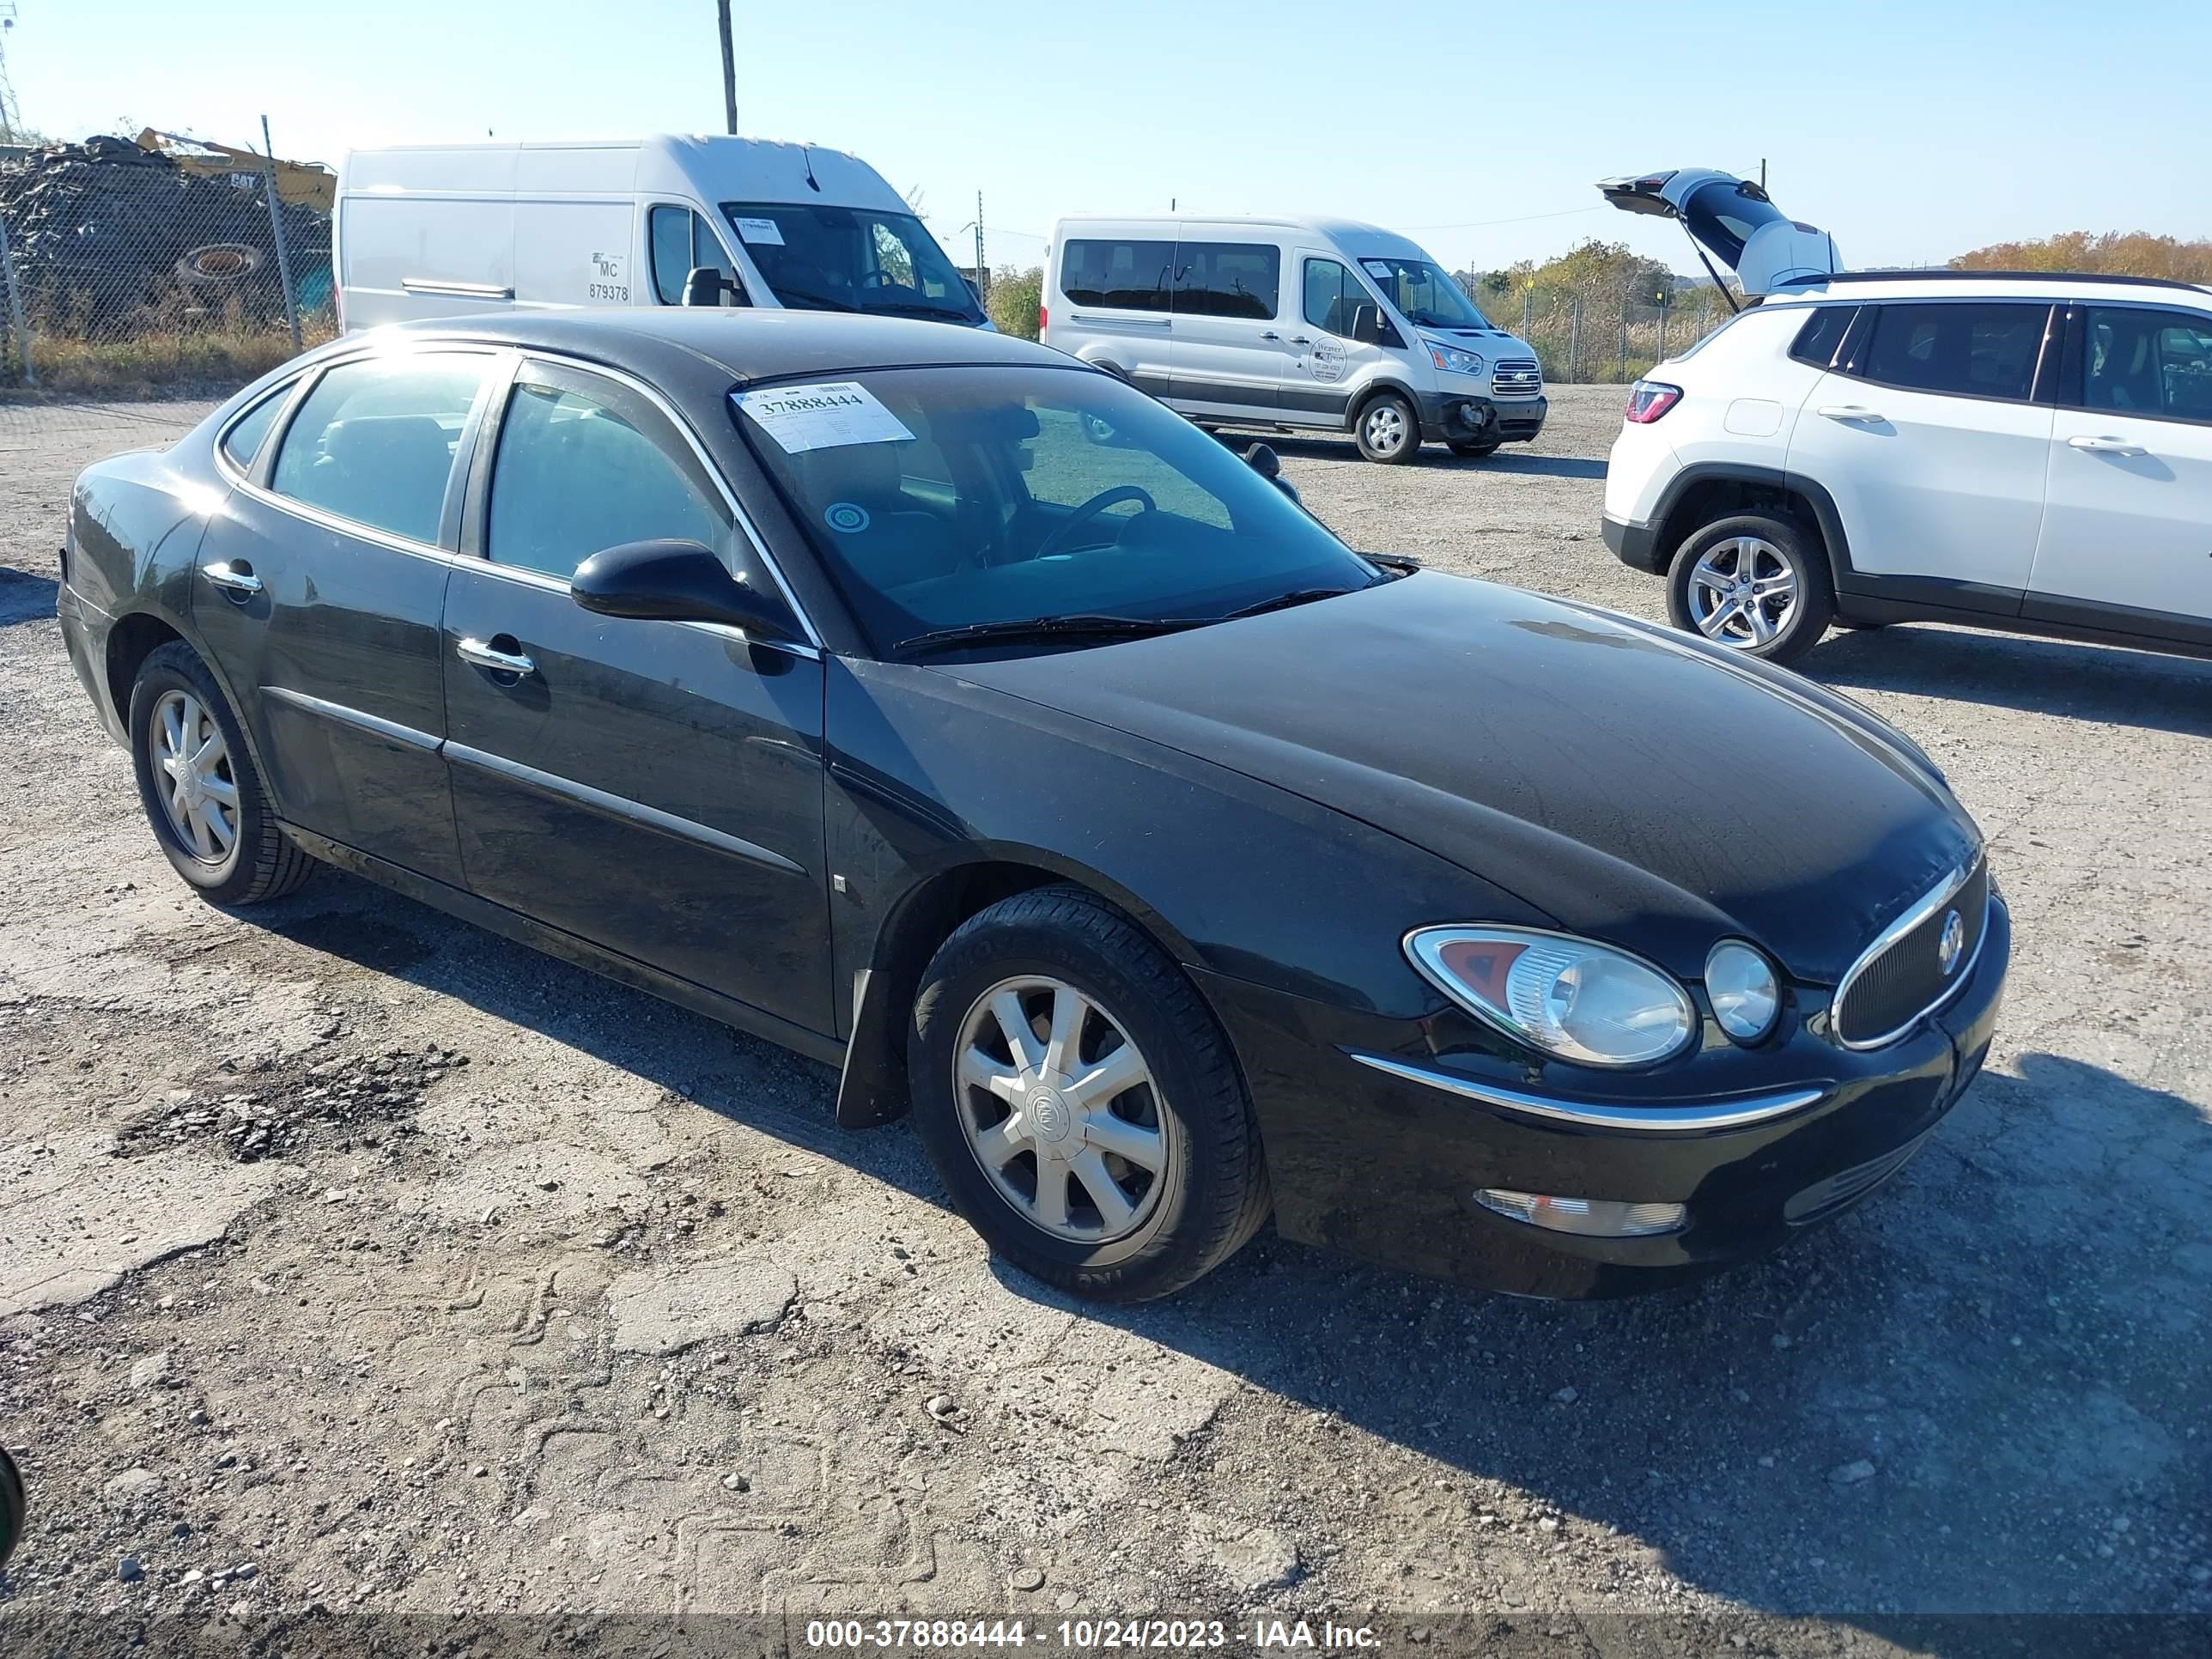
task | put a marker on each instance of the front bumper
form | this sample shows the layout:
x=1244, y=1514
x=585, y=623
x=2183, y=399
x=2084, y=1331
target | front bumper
x=1382, y=1161
x=1463, y=417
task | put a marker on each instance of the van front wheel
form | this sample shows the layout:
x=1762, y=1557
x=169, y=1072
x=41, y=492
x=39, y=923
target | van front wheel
x=1388, y=429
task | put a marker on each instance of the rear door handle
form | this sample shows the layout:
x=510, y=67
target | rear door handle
x=236, y=580
x=2107, y=445
x=1271, y=335
x=478, y=654
x=1300, y=339
x=1851, y=412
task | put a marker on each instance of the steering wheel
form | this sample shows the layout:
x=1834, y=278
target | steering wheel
x=1091, y=509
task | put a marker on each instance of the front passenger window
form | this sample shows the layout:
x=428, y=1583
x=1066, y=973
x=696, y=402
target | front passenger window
x=1332, y=293
x=578, y=471
x=375, y=440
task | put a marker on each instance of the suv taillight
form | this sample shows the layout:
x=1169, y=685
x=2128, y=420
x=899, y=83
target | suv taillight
x=1040, y=319
x=1649, y=400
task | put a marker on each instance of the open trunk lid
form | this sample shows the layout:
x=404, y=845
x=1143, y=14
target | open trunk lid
x=1733, y=221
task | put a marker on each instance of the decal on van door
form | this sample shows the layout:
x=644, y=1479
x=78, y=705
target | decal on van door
x=607, y=280
x=1325, y=359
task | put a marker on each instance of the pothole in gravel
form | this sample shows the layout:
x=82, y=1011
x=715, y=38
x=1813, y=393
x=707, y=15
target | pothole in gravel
x=344, y=1100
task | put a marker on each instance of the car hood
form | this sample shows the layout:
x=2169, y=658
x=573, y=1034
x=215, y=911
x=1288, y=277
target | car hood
x=1629, y=783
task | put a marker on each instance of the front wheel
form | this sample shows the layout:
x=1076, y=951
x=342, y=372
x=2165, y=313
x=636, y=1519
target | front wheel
x=1388, y=429
x=1753, y=583
x=1080, y=1102
x=199, y=788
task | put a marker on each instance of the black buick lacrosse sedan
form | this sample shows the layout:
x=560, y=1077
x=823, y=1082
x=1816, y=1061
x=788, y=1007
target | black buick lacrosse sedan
x=944, y=708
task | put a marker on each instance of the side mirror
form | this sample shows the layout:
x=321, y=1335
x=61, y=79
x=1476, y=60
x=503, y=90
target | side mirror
x=1263, y=460
x=706, y=286
x=675, y=582
x=1367, y=325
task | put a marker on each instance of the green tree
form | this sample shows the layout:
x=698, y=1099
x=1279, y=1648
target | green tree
x=1015, y=295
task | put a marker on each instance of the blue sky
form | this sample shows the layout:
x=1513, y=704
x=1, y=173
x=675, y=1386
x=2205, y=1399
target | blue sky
x=1911, y=131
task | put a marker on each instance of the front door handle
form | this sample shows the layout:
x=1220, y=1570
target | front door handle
x=478, y=654
x=2107, y=445
x=1271, y=335
x=1851, y=412
x=237, y=580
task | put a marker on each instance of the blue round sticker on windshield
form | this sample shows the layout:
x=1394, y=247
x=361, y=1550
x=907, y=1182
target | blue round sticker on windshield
x=845, y=518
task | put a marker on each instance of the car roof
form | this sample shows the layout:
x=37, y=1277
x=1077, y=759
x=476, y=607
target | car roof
x=2055, y=285
x=744, y=344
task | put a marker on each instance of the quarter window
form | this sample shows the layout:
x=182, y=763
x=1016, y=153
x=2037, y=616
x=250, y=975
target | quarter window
x=1823, y=332
x=1121, y=276
x=1969, y=349
x=584, y=467
x=375, y=440
x=2148, y=362
x=243, y=440
x=1228, y=279
x=1332, y=293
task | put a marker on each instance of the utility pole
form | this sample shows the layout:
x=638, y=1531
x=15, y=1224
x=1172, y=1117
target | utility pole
x=982, y=270
x=276, y=231
x=1762, y=175
x=729, y=71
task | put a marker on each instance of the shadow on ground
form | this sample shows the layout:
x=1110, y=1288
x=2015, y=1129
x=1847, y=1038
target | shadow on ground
x=1982, y=1391
x=25, y=596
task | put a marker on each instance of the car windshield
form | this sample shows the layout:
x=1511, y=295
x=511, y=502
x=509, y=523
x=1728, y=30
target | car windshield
x=1424, y=295
x=839, y=258
x=947, y=498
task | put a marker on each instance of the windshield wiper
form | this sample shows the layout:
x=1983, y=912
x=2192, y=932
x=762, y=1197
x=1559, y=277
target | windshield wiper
x=922, y=308
x=1285, y=601
x=1109, y=628
x=788, y=296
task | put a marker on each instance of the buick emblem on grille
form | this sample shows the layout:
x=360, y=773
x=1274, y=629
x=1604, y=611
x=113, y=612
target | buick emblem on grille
x=1952, y=945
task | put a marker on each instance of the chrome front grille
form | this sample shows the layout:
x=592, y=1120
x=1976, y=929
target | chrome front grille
x=1911, y=969
x=1517, y=377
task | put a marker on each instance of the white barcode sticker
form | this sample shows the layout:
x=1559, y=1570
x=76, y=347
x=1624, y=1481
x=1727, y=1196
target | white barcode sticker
x=821, y=417
x=766, y=232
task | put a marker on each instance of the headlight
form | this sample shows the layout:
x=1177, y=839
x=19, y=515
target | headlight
x=1458, y=363
x=1742, y=986
x=1569, y=997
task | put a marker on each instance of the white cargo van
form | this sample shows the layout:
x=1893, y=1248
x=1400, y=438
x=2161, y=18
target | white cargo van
x=459, y=229
x=1291, y=323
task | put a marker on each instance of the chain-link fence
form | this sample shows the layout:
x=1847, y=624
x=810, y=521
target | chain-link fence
x=1605, y=334
x=134, y=265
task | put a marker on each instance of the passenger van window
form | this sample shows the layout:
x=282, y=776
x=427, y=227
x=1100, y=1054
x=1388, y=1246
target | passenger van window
x=243, y=440
x=2149, y=362
x=1967, y=348
x=681, y=241
x=375, y=440
x=584, y=465
x=1228, y=279
x=1122, y=276
x=1332, y=295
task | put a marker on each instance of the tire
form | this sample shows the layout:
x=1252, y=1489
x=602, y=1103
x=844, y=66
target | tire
x=1388, y=429
x=1209, y=1194
x=1699, y=599
x=1474, y=448
x=258, y=862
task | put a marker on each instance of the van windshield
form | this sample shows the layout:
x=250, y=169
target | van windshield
x=1425, y=297
x=838, y=259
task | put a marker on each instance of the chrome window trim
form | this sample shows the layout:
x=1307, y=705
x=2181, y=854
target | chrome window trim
x=1638, y=1120
x=1937, y=898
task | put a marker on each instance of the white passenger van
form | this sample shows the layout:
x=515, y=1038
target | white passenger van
x=1291, y=323
x=459, y=229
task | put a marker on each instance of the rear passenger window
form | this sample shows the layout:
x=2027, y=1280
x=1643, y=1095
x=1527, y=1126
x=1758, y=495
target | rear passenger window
x=1823, y=332
x=375, y=440
x=1228, y=279
x=587, y=465
x=2149, y=362
x=243, y=440
x=1970, y=350
x=1125, y=276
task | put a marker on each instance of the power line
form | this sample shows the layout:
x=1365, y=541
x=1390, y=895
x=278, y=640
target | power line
x=1519, y=219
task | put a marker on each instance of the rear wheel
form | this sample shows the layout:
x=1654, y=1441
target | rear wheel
x=1388, y=429
x=1080, y=1102
x=199, y=788
x=1753, y=583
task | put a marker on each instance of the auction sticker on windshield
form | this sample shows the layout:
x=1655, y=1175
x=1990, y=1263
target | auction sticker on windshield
x=824, y=417
x=764, y=231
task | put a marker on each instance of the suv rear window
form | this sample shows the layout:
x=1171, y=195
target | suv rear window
x=1823, y=332
x=1969, y=349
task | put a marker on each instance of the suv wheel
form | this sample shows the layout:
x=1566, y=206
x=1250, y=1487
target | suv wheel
x=1752, y=583
x=1388, y=429
x=1080, y=1102
x=199, y=788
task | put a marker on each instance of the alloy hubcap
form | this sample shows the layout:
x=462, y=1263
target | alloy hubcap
x=1386, y=429
x=1059, y=1106
x=1743, y=593
x=192, y=767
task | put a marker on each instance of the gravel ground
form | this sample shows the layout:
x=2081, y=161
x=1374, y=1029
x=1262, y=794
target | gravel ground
x=354, y=1260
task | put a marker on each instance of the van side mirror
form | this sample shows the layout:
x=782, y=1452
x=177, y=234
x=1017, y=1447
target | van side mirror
x=676, y=581
x=1367, y=325
x=706, y=286
x=1263, y=460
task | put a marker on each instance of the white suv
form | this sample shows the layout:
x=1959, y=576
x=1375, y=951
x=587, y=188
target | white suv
x=2022, y=452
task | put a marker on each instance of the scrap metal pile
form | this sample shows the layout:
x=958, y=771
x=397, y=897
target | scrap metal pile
x=109, y=238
